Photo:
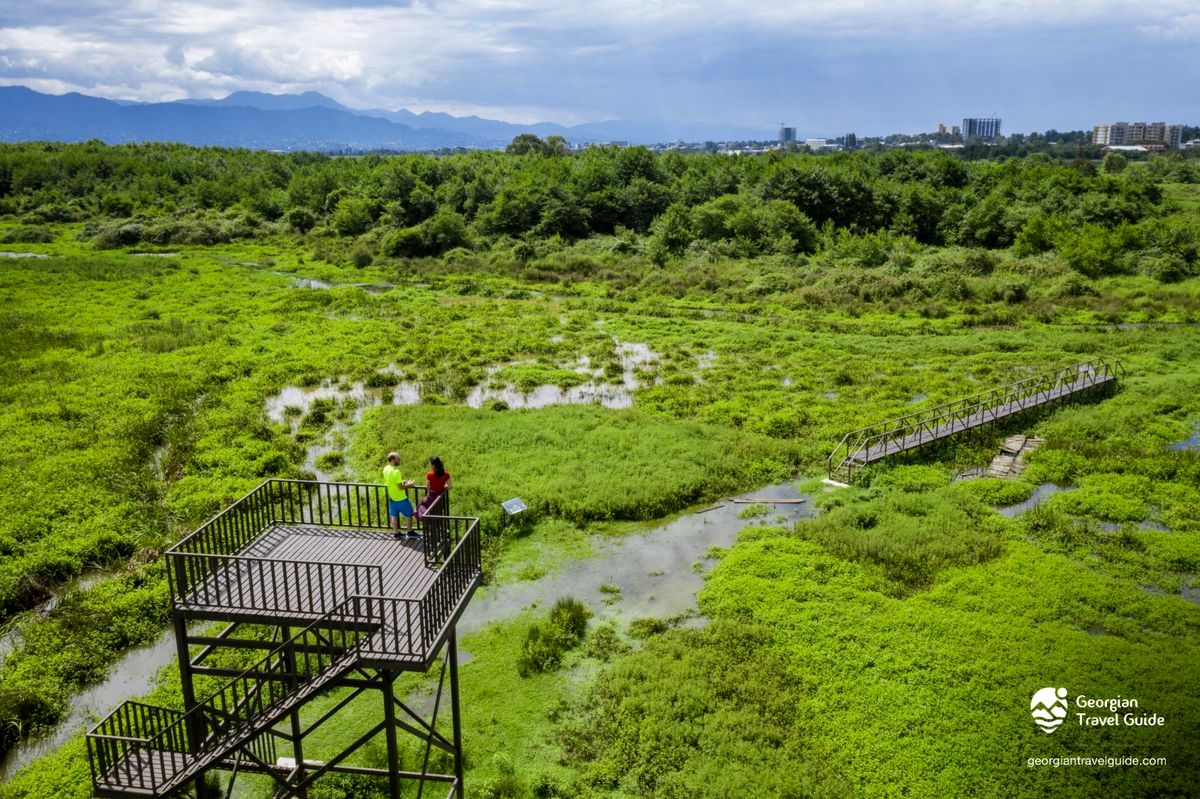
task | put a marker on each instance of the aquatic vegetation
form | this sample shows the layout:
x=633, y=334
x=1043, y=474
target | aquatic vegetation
x=546, y=643
x=754, y=511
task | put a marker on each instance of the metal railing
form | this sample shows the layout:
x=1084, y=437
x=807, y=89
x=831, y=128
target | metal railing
x=863, y=446
x=128, y=729
x=205, y=567
x=454, y=578
x=236, y=582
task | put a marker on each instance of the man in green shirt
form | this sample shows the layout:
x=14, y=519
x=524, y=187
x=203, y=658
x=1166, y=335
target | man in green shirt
x=398, y=502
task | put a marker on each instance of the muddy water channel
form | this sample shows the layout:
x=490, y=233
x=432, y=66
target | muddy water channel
x=10, y=632
x=651, y=574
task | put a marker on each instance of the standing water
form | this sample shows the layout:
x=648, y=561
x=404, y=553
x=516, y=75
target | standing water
x=655, y=571
x=1190, y=443
x=1040, y=493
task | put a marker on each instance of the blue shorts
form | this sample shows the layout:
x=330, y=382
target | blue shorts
x=395, y=509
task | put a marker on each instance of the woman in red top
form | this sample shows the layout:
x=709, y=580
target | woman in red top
x=438, y=481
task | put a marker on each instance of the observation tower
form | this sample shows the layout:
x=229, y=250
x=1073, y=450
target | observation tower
x=307, y=574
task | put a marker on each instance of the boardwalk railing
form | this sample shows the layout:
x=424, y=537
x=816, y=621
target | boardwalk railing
x=869, y=444
x=460, y=570
x=129, y=729
x=234, y=582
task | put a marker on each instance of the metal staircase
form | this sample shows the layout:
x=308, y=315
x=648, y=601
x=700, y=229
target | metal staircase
x=143, y=750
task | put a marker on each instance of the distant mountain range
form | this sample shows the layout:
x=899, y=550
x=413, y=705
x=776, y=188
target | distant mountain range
x=308, y=121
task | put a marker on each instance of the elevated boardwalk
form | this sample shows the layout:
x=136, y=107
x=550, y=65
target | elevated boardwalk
x=350, y=606
x=860, y=448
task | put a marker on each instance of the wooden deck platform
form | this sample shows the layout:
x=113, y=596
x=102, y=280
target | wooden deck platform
x=136, y=775
x=254, y=587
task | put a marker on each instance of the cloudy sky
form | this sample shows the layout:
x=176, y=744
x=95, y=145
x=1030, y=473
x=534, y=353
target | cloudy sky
x=825, y=66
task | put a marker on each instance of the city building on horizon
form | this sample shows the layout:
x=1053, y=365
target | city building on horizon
x=1123, y=133
x=986, y=128
x=947, y=130
x=787, y=135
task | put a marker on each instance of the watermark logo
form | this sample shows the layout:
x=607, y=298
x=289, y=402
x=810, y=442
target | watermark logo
x=1048, y=708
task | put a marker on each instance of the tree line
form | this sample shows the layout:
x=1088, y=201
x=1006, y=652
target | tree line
x=409, y=206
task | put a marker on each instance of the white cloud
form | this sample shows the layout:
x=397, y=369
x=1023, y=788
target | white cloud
x=1183, y=28
x=569, y=61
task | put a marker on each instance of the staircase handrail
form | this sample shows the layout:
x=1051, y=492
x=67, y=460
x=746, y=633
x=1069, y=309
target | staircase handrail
x=187, y=726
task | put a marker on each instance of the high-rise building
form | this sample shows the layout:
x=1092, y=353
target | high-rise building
x=1120, y=133
x=986, y=128
x=786, y=135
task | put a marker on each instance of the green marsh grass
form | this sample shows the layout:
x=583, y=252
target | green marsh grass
x=886, y=647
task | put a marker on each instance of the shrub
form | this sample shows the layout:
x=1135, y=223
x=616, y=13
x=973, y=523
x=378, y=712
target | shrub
x=353, y=215
x=123, y=235
x=546, y=643
x=300, y=219
x=28, y=234
x=569, y=618
x=444, y=231
x=604, y=643
x=1165, y=268
x=362, y=256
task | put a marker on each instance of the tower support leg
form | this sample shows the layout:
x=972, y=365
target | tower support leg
x=389, y=718
x=195, y=726
x=455, y=715
x=297, y=732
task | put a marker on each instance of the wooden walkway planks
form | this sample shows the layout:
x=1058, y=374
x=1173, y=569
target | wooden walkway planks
x=303, y=587
x=136, y=774
x=402, y=561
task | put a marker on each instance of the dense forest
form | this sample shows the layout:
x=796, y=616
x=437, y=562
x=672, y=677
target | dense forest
x=157, y=299
x=853, y=205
